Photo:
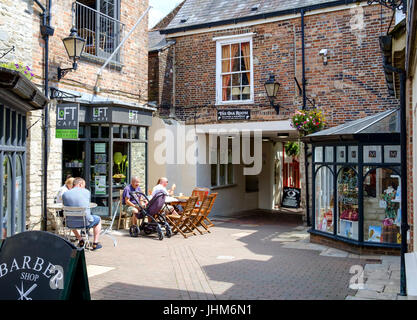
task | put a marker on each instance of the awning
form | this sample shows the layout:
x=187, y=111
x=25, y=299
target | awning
x=380, y=127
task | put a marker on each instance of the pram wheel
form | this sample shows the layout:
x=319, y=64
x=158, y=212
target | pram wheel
x=160, y=235
x=134, y=231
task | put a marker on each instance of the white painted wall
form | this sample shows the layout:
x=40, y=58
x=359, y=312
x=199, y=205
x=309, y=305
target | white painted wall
x=176, y=169
x=278, y=162
x=266, y=177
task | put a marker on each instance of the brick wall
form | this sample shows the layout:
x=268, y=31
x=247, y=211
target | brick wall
x=128, y=84
x=352, y=84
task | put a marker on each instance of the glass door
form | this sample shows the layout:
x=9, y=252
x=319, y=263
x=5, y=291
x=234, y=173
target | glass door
x=99, y=182
x=73, y=160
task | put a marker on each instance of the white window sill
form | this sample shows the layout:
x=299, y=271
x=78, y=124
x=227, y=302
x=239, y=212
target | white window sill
x=227, y=103
x=223, y=187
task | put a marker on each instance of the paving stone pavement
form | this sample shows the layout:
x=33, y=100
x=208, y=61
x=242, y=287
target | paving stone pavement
x=251, y=258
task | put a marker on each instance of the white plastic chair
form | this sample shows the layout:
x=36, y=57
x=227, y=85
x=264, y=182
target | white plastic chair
x=76, y=218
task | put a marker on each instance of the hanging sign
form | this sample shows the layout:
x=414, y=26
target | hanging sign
x=67, y=121
x=38, y=265
x=233, y=115
x=291, y=198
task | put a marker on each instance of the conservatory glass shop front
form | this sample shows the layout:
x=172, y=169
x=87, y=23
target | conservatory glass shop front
x=356, y=181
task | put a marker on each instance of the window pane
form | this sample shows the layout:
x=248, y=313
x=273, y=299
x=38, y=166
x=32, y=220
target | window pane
x=245, y=79
x=245, y=93
x=134, y=132
x=105, y=132
x=235, y=64
x=372, y=154
x=235, y=50
x=1, y=124
x=222, y=174
x=392, y=154
x=226, y=94
x=329, y=154
x=19, y=215
x=353, y=154
x=382, y=210
x=348, y=210
x=226, y=65
x=236, y=93
x=94, y=131
x=318, y=154
x=116, y=131
x=236, y=79
x=7, y=197
x=125, y=132
x=324, y=200
x=226, y=81
x=226, y=51
x=81, y=132
x=214, y=175
x=340, y=154
x=230, y=174
x=143, y=133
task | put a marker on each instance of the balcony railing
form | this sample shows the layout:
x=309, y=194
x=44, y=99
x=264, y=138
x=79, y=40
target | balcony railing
x=102, y=33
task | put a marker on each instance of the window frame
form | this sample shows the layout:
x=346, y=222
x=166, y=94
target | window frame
x=229, y=41
x=227, y=166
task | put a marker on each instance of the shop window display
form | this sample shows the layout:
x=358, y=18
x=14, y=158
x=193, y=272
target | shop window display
x=348, y=205
x=324, y=200
x=382, y=212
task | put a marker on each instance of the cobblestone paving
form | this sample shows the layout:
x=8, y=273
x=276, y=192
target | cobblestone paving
x=242, y=258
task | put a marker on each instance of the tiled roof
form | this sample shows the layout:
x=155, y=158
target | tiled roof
x=200, y=12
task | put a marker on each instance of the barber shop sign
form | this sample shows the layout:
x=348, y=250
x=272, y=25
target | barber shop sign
x=37, y=265
x=67, y=121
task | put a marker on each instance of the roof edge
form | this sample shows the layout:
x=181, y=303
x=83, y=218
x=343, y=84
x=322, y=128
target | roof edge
x=260, y=16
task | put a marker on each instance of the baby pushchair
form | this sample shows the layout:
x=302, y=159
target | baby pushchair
x=156, y=217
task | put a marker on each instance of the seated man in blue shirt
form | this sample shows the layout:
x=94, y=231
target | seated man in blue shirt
x=78, y=196
x=130, y=205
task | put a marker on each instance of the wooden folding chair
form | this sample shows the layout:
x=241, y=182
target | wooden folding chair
x=181, y=221
x=198, y=218
x=206, y=221
x=122, y=214
x=201, y=193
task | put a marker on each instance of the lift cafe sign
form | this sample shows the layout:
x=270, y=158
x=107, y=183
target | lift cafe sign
x=38, y=265
x=101, y=114
x=67, y=121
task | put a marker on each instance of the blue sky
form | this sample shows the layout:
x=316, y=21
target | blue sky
x=160, y=8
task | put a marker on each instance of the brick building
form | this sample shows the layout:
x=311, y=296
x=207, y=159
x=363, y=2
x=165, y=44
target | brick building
x=259, y=40
x=113, y=115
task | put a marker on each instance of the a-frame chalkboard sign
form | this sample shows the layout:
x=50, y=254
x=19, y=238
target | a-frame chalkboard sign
x=38, y=265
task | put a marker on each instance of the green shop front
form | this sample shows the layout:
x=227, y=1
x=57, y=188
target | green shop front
x=109, y=147
x=357, y=184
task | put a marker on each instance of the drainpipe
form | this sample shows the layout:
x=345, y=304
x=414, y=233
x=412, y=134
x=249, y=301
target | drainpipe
x=46, y=32
x=403, y=141
x=304, y=107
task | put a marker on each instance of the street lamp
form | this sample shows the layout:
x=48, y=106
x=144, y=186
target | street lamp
x=75, y=47
x=271, y=87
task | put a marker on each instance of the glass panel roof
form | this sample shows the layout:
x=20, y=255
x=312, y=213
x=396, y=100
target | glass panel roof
x=385, y=122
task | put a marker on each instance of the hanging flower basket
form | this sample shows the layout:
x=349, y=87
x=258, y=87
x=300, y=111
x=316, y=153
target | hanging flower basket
x=308, y=121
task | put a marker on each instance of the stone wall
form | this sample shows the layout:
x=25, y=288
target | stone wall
x=16, y=13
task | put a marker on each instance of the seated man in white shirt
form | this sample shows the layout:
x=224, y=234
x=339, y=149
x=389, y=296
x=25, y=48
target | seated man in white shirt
x=162, y=186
